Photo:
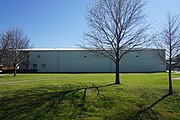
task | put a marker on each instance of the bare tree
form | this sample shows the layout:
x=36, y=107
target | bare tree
x=169, y=39
x=4, y=44
x=17, y=42
x=115, y=26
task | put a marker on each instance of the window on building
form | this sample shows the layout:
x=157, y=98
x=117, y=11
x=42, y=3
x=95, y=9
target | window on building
x=34, y=66
x=43, y=66
x=38, y=56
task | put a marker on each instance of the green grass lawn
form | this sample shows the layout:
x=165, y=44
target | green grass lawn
x=59, y=97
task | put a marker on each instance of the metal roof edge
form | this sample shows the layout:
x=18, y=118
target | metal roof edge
x=79, y=49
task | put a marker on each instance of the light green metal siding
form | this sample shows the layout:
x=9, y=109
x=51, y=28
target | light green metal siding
x=83, y=61
x=142, y=61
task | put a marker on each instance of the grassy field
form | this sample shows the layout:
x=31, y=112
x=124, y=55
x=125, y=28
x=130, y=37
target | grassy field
x=69, y=96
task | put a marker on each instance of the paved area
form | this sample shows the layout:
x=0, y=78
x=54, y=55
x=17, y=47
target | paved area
x=178, y=78
x=2, y=75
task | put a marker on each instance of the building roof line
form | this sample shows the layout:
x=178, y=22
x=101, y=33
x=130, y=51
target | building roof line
x=77, y=49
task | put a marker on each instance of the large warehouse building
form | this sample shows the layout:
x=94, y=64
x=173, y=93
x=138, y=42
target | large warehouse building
x=80, y=60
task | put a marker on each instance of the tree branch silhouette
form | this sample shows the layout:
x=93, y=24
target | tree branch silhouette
x=149, y=107
x=38, y=101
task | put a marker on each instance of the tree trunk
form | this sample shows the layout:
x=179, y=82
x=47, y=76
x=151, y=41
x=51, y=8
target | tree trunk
x=170, y=79
x=117, y=74
x=14, y=65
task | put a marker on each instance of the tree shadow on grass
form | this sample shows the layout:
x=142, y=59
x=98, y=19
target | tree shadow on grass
x=51, y=101
x=148, y=113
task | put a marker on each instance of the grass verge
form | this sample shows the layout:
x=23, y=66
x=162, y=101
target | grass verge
x=86, y=96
